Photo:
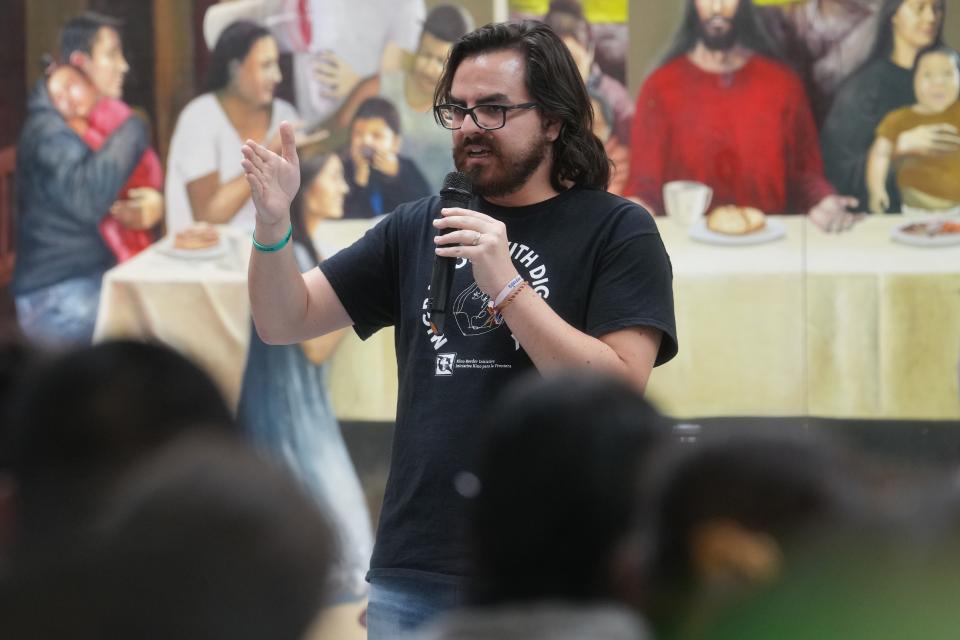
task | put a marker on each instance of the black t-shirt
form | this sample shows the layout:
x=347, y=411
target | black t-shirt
x=595, y=258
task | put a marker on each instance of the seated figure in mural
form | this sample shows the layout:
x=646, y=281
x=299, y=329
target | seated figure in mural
x=410, y=89
x=94, y=118
x=285, y=404
x=723, y=111
x=882, y=84
x=613, y=108
x=334, y=43
x=64, y=189
x=204, y=178
x=930, y=182
x=379, y=177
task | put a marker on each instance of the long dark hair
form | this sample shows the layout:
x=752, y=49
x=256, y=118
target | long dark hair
x=883, y=41
x=309, y=169
x=233, y=44
x=746, y=23
x=554, y=83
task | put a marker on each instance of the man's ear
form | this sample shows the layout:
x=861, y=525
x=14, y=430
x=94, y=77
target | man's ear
x=723, y=552
x=552, y=127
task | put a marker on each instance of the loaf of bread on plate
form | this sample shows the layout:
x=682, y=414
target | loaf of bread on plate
x=736, y=221
x=198, y=236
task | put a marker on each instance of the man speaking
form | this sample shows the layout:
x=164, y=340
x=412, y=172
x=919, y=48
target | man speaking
x=552, y=272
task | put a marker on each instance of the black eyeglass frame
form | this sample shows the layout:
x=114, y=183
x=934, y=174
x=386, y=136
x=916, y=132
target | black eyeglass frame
x=503, y=108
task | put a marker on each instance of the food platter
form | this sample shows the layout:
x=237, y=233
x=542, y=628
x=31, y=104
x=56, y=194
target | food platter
x=932, y=232
x=166, y=247
x=771, y=231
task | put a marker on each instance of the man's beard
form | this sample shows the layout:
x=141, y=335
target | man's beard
x=722, y=41
x=510, y=174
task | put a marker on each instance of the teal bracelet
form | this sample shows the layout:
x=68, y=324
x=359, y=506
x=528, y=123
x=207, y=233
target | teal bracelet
x=270, y=248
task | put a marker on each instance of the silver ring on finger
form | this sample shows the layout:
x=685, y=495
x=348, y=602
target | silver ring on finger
x=476, y=239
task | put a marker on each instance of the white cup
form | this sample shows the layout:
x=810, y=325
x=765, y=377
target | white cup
x=686, y=201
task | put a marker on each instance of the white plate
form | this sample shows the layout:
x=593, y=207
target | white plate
x=919, y=240
x=773, y=230
x=165, y=246
x=917, y=212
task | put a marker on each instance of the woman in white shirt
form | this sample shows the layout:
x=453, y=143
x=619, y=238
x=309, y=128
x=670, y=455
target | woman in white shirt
x=204, y=179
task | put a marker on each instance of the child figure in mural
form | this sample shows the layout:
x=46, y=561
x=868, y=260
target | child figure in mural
x=94, y=118
x=379, y=176
x=928, y=182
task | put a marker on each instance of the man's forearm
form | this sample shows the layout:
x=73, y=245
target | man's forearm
x=554, y=344
x=278, y=295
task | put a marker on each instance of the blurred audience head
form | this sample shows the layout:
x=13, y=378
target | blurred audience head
x=725, y=513
x=201, y=539
x=17, y=358
x=79, y=418
x=91, y=42
x=559, y=484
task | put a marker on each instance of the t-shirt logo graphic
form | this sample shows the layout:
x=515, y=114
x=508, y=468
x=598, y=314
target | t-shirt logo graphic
x=470, y=311
x=445, y=364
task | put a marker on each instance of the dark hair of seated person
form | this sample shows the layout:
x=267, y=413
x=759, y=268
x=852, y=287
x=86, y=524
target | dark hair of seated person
x=232, y=46
x=81, y=417
x=748, y=496
x=558, y=475
x=202, y=539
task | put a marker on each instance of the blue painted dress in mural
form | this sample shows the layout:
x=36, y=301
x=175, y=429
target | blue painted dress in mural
x=285, y=408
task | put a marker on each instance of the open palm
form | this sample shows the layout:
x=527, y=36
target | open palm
x=273, y=179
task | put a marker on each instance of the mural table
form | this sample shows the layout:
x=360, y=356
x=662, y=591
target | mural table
x=850, y=325
x=200, y=307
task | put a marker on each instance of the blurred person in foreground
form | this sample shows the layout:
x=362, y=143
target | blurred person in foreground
x=202, y=538
x=79, y=419
x=726, y=515
x=554, y=526
x=894, y=582
x=559, y=273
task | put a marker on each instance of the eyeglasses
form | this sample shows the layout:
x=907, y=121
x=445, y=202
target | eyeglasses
x=485, y=116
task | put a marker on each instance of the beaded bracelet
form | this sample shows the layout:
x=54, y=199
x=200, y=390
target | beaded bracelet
x=494, y=312
x=270, y=248
x=510, y=286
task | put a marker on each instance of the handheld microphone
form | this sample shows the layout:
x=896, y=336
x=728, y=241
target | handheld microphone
x=456, y=192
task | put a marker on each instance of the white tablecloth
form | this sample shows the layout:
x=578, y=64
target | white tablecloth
x=849, y=325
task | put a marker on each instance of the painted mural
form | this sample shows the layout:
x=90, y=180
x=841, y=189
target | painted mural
x=801, y=159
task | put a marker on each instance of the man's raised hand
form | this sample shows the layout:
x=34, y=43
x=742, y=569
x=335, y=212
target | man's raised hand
x=273, y=179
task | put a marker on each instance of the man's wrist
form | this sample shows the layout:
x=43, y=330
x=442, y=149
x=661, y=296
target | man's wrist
x=270, y=233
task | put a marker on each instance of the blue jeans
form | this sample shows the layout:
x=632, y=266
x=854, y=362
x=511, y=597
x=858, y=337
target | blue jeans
x=399, y=604
x=63, y=314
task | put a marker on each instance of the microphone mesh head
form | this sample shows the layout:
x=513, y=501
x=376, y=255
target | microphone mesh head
x=457, y=189
x=458, y=180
